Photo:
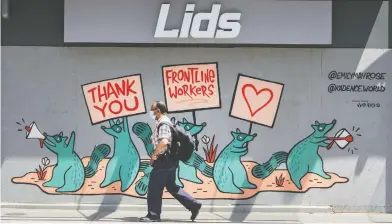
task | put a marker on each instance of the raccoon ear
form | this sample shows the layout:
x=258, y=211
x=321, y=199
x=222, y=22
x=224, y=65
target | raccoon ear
x=233, y=134
x=184, y=120
x=238, y=130
x=61, y=134
x=314, y=127
x=118, y=121
x=316, y=123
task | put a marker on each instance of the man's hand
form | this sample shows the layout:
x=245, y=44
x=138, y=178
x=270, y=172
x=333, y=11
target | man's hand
x=153, y=158
x=160, y=148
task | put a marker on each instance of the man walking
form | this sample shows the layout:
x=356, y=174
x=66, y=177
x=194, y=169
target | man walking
x=164, y=169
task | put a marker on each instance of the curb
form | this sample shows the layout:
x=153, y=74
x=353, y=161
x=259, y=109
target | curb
x=243, y=208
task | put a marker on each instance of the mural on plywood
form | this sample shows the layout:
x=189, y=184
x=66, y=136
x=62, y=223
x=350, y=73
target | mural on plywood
x=222, y=174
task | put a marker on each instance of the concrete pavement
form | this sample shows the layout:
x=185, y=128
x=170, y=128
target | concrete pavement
x=13, y=215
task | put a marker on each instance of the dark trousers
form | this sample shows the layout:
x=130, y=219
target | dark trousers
x=164, y=175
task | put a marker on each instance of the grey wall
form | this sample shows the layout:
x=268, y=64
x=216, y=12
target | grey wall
x=40, y=23
x=42, y=84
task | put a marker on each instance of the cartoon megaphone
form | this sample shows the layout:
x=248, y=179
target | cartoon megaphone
x=32, y=132
x=342, y=139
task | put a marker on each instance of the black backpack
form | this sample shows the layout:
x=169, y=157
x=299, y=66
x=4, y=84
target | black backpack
x=182, y=144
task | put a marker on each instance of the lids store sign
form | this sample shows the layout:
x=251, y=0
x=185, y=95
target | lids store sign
x=224, y=25
x=173, y=22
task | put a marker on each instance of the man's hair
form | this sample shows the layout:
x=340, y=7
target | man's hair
x=161, y=106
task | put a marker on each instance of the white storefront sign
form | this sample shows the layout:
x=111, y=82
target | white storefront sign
x=224, y=25
x=264, y=22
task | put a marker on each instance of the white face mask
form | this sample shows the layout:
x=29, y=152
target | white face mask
x=152, y=115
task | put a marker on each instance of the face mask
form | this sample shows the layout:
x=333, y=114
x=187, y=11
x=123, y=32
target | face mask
x=152, y=115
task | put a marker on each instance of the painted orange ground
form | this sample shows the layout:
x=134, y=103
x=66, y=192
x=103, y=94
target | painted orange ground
x=207, y=190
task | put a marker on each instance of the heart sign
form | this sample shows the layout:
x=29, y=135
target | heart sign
x=253, y=98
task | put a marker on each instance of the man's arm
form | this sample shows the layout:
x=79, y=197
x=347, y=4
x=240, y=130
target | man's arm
x=164, y=135
x=159, y=149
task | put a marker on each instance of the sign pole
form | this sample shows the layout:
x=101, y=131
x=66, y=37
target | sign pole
x=194, y=121
x=250, y=130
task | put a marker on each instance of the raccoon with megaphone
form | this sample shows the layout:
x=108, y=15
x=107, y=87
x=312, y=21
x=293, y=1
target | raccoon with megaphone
x=69, y=173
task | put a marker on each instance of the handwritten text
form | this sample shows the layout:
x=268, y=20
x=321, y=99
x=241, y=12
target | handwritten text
x=114, y=90
x=114, y=98
x=191, y=82
x=191, y=86
x=355, y=88
x=356, y=75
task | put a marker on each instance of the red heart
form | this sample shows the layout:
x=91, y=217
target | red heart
x=253, y=113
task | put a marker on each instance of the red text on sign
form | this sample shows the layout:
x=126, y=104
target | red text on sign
x=191, y=82
x=110, y=94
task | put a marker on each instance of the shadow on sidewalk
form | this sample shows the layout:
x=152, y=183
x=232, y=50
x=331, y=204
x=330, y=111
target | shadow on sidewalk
x=108, y=206
x=242, y=211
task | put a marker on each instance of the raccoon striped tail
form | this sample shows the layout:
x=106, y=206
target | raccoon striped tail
x=144, y=132
x=264, y=170
x=98, y=154
x=198, y=162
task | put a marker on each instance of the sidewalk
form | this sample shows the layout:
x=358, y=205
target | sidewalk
x=88, y=216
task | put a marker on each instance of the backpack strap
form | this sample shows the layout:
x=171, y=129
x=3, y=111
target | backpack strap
x=171, y=126
x=168, y=124
x=164, y=122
